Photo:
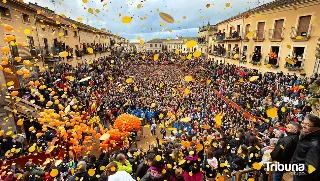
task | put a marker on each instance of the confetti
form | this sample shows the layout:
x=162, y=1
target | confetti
x=166, y=17
x=126, y=19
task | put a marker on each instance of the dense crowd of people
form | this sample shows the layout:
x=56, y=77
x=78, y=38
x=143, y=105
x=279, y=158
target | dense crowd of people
x=203, y=136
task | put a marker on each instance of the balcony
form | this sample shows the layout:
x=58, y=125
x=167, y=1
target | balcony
x=25, y=52
x=245, y=38
x=301, y=34
x=255, y=59
x=294, y=64
x=220, y=38
x=238, y=38
x=228, y=54
x=233, y=37
x=259, y=36
x=274, y=63
x=276, y=35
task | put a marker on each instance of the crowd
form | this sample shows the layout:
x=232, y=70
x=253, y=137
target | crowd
x=203, y=137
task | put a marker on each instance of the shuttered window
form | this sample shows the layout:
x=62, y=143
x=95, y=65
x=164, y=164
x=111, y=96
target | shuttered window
x=247, y=29
x=304, y=22
x=260, y=33
x=278, y=28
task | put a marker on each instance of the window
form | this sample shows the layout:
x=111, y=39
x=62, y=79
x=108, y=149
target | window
x=298, y=52
x=273, y=55
x=5, y=12
x=229, y=47
x=257, y=48
x=244, y=53
x=31, y=42
x=26, y=18
x=65, y=32
x=303, y=27
x=278, y=28
x=151, y=45
x=295, y=62
x=155, y=45
x=238, y=29
x=160, y=45
x=75, y=33
x=260, y=31
x=247, y=30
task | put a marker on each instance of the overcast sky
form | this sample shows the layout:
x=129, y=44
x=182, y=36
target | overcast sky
x=111, y=12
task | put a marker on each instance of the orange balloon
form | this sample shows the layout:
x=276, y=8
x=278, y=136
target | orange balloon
x=27, y=62
x=7, y=70
x=18, y=59
x=5, y=49
x=31, y=83
x=26, y=76
x=5, y=59
x=25, y=71
x=8, y=27
x=19, y=44
x=14, y=93
x=19, y=72
x=4, y=63
x=10, y=38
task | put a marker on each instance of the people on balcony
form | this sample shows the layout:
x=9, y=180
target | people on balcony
x=294, y=62
x=256, y=57
x=273, y=58
x=234, y=34
x=235, y=50
x=219, y=50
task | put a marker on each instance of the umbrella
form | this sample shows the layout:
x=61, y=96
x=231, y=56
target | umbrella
x=85, y=79
x=253, y=78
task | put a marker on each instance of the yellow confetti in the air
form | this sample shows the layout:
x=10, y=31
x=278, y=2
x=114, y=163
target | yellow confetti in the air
x=90, y=50
x=91, y=172
x=272, y=112
x=186, y=91
x=166, y=17
x=156, y=57
x=90, y=10
x=54, y=172
x=191, y=44
x=188, y=78
x=250, y=34
x=228, y=5
x=256, y=166
x=126, y=19
x=129, y=80
x=158, y=157
x=26, y=31
x=197, y=53
x=289, y=46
